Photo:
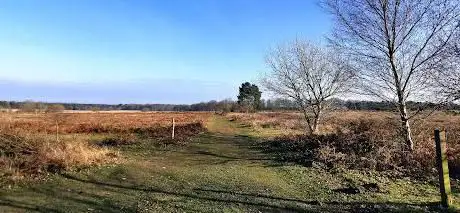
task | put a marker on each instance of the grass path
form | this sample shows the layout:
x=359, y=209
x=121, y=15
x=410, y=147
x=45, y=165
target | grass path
x=220, y=171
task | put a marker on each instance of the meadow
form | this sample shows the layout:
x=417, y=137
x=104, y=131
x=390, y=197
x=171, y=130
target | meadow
x=235, y=162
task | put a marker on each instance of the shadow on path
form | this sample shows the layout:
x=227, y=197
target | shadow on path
x=266, y=202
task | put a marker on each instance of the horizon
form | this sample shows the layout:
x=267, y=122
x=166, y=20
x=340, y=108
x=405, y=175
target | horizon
x=176, y=52
x=208, y=101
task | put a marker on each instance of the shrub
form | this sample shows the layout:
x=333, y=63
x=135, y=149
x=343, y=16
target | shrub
x=54, y=108
x=182, y=132
x=22, y=154
x=29, y=107
x=361, y=144
x=361, y=139
x=118, y=140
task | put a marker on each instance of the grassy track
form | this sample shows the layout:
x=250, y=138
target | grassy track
x=220, y=171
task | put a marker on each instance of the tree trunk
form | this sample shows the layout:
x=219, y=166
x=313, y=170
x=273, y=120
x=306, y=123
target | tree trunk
x=408, y=135
x=310, y=129
x=316, y=119
x=406, y=126
x=315, y=125
x=399, y=92
x=402, y=105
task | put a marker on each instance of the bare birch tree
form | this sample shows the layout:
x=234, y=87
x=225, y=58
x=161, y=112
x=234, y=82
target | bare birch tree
x=398, y=46
x=309, y=75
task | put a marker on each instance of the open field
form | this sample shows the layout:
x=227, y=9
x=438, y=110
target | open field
x=232, y=166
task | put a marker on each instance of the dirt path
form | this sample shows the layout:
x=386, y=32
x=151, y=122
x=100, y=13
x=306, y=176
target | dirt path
x=220, y=171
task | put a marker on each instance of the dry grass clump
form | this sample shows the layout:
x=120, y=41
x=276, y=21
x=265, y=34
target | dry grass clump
x=26, y=154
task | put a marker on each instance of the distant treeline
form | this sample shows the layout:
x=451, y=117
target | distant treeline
x=225, y=105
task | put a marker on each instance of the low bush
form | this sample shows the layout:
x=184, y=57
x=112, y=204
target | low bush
x=181, y=131
x=361, y=139
x=282, y=120
x=162, y=135
x=118, y=140
x=363, y=144
x=55, y=108
x=22, y=154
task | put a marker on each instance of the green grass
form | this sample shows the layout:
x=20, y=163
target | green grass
x=220, y=171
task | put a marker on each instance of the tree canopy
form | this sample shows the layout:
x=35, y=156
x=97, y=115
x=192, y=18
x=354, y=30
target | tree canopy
x=249, y=97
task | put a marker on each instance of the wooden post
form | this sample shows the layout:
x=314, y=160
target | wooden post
x=57, y=131
x=443, y=167
x=9, y=123
x=173, y=126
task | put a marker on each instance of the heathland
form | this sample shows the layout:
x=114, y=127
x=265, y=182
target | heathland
x=235, y=162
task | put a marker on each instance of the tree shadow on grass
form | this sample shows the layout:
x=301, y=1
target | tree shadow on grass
x=224, y=149
x=30, y=207
x=261, y=202
x=79, y=198
x=235, y=158
x=179, y=193
x=353, y=206
x=276, y=152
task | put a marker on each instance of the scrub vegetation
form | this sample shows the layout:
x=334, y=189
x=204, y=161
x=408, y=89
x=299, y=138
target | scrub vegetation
x=33, y=144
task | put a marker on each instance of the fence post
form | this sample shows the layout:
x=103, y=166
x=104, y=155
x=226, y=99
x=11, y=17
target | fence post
x=443, y=167
x=173, y=126
x=57, y=131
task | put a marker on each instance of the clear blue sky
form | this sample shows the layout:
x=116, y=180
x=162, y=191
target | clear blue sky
x=153, y=51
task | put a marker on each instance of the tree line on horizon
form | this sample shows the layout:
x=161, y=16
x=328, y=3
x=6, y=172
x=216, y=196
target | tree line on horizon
x=227, y=105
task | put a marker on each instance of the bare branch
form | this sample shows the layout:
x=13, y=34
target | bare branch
x=401, y=47
x=310, y=75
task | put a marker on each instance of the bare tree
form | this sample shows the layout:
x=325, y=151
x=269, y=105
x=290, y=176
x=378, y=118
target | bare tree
x=55, y=108
x=448, y=81
x=309, y=75
x=398, y=46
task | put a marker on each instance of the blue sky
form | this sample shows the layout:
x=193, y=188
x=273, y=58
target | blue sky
x=132, y=51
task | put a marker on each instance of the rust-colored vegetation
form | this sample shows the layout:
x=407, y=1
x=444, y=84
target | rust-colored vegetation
x=96, y=122
x=33, y=144
x=360, y=140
